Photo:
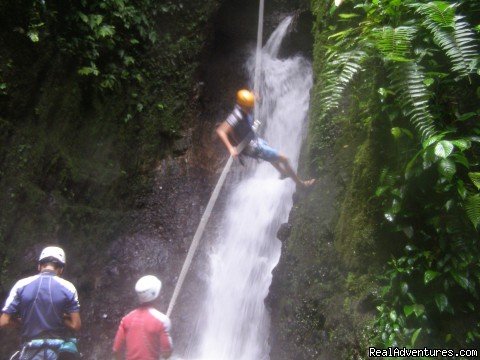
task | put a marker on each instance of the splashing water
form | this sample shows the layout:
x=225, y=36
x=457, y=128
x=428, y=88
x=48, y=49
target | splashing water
x=236, y=324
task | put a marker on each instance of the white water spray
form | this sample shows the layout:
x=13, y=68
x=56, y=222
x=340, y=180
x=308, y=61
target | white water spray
x=236, y=322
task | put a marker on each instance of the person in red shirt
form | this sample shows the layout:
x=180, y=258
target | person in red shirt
x=144, y=333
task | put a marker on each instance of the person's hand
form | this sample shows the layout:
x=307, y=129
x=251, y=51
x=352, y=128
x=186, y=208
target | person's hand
x=234, y=152
x=72, y=321
x=8, y=320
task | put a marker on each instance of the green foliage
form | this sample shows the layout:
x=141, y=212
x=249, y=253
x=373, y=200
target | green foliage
x=103, y=37
x=451, y=33
x=408, y=81
x=429, y=209
x=394, y=43
x=108, y=39
x=423, y=59
x=343, y=68
x=472, y=207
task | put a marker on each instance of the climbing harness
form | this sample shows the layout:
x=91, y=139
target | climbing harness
x=61, y=347
x=221, y=180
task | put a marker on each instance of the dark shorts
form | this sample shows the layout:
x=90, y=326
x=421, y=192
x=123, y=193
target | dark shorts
x=259, y=149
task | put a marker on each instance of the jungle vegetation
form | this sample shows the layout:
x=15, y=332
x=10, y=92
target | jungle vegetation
x=92, y=94
x=421, y=58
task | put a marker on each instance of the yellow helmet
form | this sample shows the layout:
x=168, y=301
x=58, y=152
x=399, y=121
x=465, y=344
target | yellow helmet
x=245, y=98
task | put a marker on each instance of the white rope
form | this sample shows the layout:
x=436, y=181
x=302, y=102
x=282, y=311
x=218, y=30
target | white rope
x=221, y=180
x=198, y=235
x=258, y=56
x=201, y=227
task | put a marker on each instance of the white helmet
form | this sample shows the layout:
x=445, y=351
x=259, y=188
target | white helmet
x=53, y=251
x=148, y=288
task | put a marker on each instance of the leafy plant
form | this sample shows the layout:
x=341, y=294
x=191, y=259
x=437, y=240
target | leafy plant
x=106, y=38
x=451, y=33
x=343, y=68
x=422, y=56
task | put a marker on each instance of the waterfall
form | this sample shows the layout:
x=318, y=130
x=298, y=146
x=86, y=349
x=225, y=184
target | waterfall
x=236, y=322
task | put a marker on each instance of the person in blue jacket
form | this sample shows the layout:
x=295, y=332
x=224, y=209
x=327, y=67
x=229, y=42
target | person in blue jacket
x=47, y=310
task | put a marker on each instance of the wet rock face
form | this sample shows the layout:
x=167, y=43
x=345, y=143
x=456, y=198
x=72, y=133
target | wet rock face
x=159, y=235
x=305, y=289
x=284, y=232
x=300, y=38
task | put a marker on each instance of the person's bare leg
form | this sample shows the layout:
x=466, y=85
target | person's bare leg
x=281, y=170
x=284, y=164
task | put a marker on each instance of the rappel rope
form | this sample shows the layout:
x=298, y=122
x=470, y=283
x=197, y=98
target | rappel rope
x=258, y=63
x=198, y=235
x=226, y=169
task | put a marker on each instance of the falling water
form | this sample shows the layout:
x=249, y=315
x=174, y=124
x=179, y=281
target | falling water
x=236, y=324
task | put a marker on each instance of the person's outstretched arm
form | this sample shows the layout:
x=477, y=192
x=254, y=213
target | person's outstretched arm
x=223, y=131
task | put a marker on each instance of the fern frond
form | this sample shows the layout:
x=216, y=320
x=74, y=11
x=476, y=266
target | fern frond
x=472, y=208
x=338, y=73
x=394, y=43
x=441, y=13
x=452, y=34
x=413, y=96
x=464, y=53
x=475, y=177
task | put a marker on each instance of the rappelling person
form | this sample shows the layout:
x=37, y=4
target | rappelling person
x=144, y=333
x=239, y=126
x=47, y=310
